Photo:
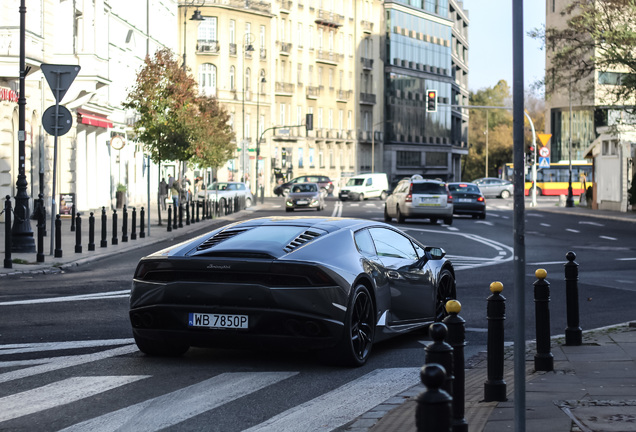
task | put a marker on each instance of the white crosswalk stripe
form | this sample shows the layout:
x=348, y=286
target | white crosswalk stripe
x=59, y=393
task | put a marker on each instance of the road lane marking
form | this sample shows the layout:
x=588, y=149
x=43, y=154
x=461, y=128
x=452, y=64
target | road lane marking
x=572, y=230
x=180, y=405
x=626, y=259
x=55, y=346
x=546, y=263
x=545, y=224
x=328, y=412
x=591, y=223
x=59, y=393
x=485, y=223
x=81, y=297
x=607, y=238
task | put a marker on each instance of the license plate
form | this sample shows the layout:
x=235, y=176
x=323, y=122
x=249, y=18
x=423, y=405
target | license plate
x=301, y=202
x=429, y=202
x=217, y=321
x=467, y=200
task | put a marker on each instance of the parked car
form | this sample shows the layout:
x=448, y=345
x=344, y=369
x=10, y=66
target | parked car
x=415, y=197
x=325, y=183
x=364, y=186
x=225, y=191
x=337, y=285
x=304, y=196
x=468, y=199
x=494, y=187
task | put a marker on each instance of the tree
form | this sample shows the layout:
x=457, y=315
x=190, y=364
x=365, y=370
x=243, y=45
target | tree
x=598, y=36
x=212, y=145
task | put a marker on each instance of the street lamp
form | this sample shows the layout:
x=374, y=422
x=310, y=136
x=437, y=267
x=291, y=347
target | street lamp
x=569, y=202
x=258, y=140
x=373, y=144
x=247, y=47
x=196, y=16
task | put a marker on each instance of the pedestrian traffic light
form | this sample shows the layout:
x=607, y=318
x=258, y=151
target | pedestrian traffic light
x=431, y=100
x=309, y=122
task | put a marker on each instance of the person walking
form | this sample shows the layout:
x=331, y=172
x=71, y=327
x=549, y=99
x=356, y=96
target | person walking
x=163, y=193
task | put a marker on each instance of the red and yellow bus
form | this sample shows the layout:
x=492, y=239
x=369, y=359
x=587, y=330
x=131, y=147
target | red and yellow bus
x=555, y=180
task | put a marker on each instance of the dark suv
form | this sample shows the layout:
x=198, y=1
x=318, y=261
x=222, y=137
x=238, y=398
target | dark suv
x=326, y=186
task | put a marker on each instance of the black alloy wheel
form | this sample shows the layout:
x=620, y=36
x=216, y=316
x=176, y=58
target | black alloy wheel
x=355, y=346
x=160, y=348
x=399, y=216
x=387, y=218
x=446, y=290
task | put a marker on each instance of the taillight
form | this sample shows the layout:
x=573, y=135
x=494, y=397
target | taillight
x=449, y=199
x=409, y=197
x=480, y=199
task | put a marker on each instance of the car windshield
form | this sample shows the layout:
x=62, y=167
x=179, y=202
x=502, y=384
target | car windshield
x=462, y=187
x=429, y=188
x=355, y=182
x=305, y=188
x=219, y=186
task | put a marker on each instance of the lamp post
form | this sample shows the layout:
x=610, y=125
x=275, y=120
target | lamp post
x=196, y=16
x=258, y=140
x=21, y=231
x=569, y=202
x=247, y=47
x=486, y=143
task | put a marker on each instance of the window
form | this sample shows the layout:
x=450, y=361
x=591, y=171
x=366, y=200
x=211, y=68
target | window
x=207, y=79
x=232, y=31
x=331, y=78
x=405, y=159
x=248, y=84
x=320, y=118
x=232, y=78
x=282, y=114
x=341, y=119
x=364, y=243
x=609, y=148
x=320, y=32
x=207, y=29
x=299, y=35
x=248, y=33
x=248, y=122
x=262, y=37
x=320, y=75
x=299, y=115
x=391, y=244
x=330, y=118
x=350, y=120
x=310, y=76
x=311, y=37
x=299, y=74
x=283, y=24
x=300, y=157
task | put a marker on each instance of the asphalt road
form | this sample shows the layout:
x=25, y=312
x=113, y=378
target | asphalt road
x=66, y=356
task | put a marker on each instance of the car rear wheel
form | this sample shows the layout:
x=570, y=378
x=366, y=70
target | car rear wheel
x=482, y=216
x=359, y=330
x=160, y=348
x=361, y=197
x=505, y=194
x=383, y=195
x=387, y=218
x=400, y=217
x=433, y=221
x=289, y=209
x=448, y=220
x=248, y=202
x=446, y=290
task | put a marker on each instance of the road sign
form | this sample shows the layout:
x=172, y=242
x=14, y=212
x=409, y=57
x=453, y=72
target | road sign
x=63, y=123
x=544, y=152
x=544, y=162
x=59, y=77
x=544, y=138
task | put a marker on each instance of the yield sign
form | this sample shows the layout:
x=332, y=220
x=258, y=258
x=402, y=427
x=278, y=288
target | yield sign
x=544, y=138
x=59, y=77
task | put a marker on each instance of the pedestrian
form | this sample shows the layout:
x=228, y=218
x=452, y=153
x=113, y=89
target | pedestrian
x=163, y=193
x=170, y=181
x=175, y=190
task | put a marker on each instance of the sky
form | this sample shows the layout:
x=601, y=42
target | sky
x=490, y=42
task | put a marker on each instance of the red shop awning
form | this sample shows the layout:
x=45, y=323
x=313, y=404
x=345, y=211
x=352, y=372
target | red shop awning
x=92, y=119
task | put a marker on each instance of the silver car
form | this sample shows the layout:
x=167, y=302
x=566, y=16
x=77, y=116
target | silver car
x=415, y=197
x=494, y=187
x=304, y=196
x=226, y=191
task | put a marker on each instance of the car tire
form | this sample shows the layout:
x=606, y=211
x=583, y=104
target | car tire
x=482, y=216
x=359, y=329
x=399, y=216
x=248, y=202
x=505, y=194
x=288, y=209
x=383, y=195
x=448, y=220
x=433, y=221
x=539, y=192
x=387, y=218
x=160, y=348
x=446, y=290
x=361, y=197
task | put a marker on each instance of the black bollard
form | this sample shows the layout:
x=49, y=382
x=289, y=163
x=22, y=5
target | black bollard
x=180, y=216
x=187, y=215
x=114, y=239
x=73, y=217
x=91, y=232
x=441, y=353
x=433, y=409
x=198, y=204
x=58, y=237
x=142, y=223
x=41, y=217
x=124, y=225
x=174, y=218
x=573, y=332
x=192, y=219
x=495, y=386
x=78, y=233
x=543, y=359
x=8, y=212
x=103, y=242
x=457, y=339
x=169, y=218
x=133, y=228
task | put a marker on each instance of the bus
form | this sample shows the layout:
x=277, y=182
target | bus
x=555, y=180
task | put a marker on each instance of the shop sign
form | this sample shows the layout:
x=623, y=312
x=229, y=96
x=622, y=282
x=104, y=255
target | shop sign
x=6, y=94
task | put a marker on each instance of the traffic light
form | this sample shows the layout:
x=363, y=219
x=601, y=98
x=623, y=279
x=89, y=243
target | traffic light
x=431, y=100
x=530, y=155
x=309, y=122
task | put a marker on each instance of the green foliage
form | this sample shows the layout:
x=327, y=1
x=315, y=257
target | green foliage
x=121, y=187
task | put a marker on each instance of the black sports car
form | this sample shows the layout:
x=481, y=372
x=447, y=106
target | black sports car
x=334, y=284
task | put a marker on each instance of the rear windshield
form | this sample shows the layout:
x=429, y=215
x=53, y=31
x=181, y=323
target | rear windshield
x=429, y=188
x=463, y=188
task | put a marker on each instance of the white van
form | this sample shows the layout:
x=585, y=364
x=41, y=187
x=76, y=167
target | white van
x=363, y=186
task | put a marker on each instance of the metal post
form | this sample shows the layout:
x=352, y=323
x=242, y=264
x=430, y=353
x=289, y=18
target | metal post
x=569, y=202
x=441, y=353
x=41, y=215
x=73, y=214
x=8, y=212
x=114, y=240
x=174, y=218
x=573, y=332
x=169, y=218
x=495, y=386
x=192, y=218
x=433, y=409
x=543, y=359
x=91, y=232
x=142, y=233
x=58, y=237
x=133, y=229
x=124, y=225
x=457, y=339
x=103, y=242
x=180, y=215
x=78, y=233
x=187, y=215
x=198, y=205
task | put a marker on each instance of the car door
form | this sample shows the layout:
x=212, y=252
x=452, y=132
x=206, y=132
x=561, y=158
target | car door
x=410, y=284
x=487, y=187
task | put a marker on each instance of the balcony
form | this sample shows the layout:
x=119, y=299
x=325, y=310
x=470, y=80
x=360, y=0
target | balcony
x=367, y=26
x=263, y=54
x=208, y=47
x=284, y=89
x=344, y=95
x=329, y=19
x=285, y=47
x=233, y=49
x=313, y=92
x=285, y=5
x=328, y=57
x=367, y=63
x=367, y=98
x=249, y=5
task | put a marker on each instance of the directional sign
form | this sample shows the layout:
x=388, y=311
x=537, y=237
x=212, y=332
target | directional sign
x=63, y=123
x=544, y=138
x=60, y=78
x=544, y=152
x=544, y=162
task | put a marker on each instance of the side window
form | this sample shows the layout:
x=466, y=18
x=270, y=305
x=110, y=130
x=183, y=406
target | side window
x=389, y=243
x=241, y=186
x=364, y=243
x=369, y=181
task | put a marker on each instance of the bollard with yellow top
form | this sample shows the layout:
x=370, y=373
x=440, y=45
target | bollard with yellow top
x=457, y=339
x=495, y=386
x=543, y=359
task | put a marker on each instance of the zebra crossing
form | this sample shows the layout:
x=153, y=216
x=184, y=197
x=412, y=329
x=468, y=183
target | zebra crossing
x=325, y=412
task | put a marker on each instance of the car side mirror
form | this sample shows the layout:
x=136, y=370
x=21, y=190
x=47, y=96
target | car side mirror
x=436, y=253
